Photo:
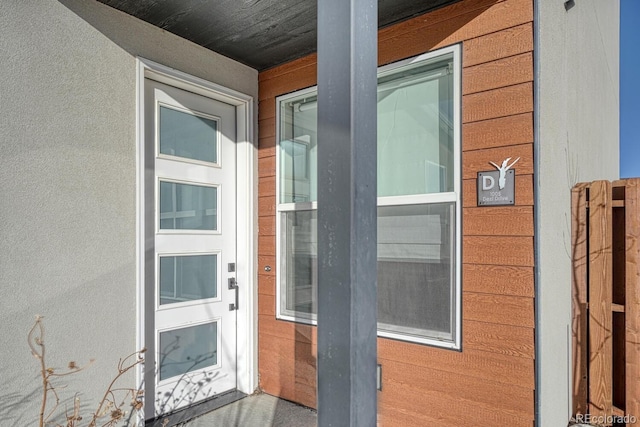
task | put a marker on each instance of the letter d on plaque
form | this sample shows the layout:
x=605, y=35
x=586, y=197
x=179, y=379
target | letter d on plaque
x=488, y=182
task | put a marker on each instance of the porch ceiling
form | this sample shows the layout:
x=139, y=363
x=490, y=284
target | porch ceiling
x=258, y=33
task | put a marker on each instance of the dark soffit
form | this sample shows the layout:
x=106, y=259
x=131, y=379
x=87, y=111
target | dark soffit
x=258, y=33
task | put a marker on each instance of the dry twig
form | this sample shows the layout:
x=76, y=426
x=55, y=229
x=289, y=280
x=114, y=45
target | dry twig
x=108, y=405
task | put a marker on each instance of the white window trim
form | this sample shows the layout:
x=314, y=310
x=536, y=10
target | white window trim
x=246, y=217
x=455, y=196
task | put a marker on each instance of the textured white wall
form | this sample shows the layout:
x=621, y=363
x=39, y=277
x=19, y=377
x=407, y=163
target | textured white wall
x=68, y=185
x=578, y=113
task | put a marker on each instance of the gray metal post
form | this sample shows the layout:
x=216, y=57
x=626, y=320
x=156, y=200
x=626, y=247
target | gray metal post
x=347, y=270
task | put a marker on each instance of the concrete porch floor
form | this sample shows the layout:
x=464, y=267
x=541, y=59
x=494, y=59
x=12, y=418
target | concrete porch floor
x=259, y=410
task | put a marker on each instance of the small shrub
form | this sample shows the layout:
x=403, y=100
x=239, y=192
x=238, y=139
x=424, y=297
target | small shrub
x=111, y=409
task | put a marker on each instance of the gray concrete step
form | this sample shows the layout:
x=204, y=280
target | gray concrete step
x=258, y=410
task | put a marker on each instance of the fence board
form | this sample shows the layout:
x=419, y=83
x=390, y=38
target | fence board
x=618, y=374
x=632, y=212
x=600, y=323
x=606, y=220
x=579, y=322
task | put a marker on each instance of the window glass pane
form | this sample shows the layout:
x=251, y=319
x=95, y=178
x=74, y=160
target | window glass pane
x=188, y=207
x=187, y=135
x=415, y=130
x=298, y=150
x=417, y=243
x=188, y=278
x=188, y=349
x=300, y=260
x=416, y=269
x=415, y=135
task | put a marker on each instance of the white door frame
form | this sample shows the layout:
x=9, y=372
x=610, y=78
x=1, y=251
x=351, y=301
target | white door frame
x=246, y=220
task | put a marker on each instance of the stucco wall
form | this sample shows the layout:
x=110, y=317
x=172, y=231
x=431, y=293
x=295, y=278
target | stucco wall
x=68, y=185
x=577, y=99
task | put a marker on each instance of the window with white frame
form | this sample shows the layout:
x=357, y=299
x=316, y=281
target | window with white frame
x=418, y=201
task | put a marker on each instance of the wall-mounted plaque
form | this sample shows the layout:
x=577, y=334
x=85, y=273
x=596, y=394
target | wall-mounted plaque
x=497, y=188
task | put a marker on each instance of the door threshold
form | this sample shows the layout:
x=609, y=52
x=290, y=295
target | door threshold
x=195, y=410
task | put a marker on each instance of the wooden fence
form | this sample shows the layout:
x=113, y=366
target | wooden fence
x=606, y=298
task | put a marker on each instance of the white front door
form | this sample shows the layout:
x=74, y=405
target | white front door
x=190, y=164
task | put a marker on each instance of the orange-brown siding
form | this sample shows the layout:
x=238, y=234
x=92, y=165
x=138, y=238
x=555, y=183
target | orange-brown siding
x=491, y=382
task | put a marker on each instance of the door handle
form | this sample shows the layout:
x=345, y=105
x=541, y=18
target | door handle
x=234, y=285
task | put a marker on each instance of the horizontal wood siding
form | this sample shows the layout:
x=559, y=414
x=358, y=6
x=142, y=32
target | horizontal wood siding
x=491, y=381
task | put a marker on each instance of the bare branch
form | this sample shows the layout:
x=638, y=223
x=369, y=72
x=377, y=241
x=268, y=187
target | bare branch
x=107, y=406
x=121, y=371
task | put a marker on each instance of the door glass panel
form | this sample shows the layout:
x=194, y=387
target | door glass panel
x=187, y=135
x=188, y=207
x=188, y=349
x=188, y=278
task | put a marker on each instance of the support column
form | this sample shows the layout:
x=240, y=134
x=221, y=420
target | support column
x=347, y=216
